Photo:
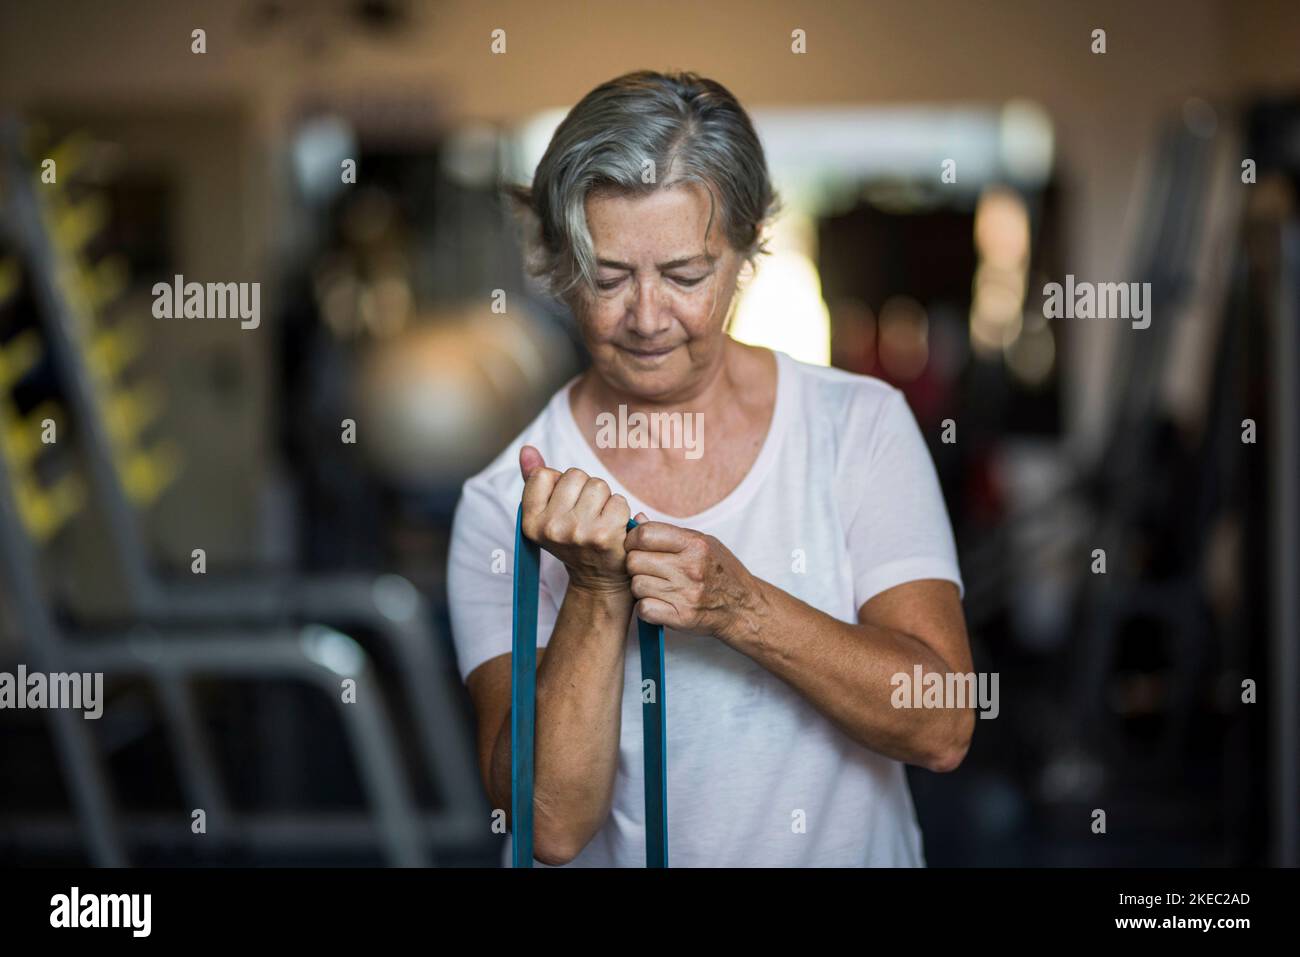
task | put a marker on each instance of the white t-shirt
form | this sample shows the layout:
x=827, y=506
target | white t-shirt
x=841, y=504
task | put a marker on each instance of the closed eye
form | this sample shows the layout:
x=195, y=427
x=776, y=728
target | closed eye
x=680, y=280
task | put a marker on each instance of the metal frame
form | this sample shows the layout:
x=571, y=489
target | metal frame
x=171, y=662
x=269, y=606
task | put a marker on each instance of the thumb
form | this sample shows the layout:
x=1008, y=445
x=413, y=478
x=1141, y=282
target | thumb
x=642, y=517
x=530, y=460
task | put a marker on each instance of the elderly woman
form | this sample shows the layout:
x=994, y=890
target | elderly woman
x=799, y=557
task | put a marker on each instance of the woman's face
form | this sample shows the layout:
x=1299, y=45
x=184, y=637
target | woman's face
x=654, y=326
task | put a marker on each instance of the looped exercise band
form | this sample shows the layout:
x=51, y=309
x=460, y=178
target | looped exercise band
x=523, y=712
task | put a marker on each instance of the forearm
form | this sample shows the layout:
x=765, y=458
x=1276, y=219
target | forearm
x=579, y=710
x=845, y=670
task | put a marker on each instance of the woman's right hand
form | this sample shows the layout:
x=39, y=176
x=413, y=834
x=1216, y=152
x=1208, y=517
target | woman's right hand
x=574, y=517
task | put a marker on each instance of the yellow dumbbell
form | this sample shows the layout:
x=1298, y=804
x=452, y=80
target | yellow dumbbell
x=23, y=433
x=91, y=288
x=128, y=412
x=107, y=280
x=19, y=356
x=46, y=510
x=147, y=472
x=74, y=225
x=112, y=350
x=69, y=156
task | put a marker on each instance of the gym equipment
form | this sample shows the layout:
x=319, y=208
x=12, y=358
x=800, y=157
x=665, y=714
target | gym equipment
x=1195, y=208
x=1145, y=496
x=31, y=514
x=523, y=711
x=1190, y=211
x=265, y=609
x=44, y=507
x=170, y=662
x=441, y=398
x=144, y=468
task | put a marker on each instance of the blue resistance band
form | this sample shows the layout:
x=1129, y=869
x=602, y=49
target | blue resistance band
x=523, y=712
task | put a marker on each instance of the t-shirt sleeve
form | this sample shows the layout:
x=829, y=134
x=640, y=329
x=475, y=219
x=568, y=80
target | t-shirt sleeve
x=898, y=530
x=480, y=579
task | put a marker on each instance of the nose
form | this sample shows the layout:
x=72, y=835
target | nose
x=647, y=319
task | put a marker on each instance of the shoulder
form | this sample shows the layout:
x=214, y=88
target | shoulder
x=848, y=404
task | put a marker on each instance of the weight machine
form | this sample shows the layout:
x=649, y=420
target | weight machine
x=281, y=627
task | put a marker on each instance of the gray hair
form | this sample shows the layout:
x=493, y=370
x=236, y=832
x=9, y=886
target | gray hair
x=681, y=126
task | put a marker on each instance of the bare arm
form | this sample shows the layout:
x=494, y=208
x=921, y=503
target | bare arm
x=688, y=580
x=579, y=707
x=579, y=673
x=845, y=669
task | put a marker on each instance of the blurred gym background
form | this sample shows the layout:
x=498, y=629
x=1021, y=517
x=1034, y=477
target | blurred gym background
x=324, y=558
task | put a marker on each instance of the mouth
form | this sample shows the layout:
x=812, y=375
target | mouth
x=649, y=354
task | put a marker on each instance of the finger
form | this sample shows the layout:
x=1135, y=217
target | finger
x=537, y=493
x=642, y=518
x=641, y=562
x=592, y=498
x=616, y=510
x=655, y=611
x=659, y=537
x=567, y=490
x=530, y=460
x=650, y=586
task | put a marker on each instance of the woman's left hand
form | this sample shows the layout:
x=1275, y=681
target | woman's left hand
x=685, y=580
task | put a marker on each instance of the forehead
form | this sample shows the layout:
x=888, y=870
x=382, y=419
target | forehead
x=667, y=222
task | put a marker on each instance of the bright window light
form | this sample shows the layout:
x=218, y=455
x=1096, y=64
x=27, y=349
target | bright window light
x=781, y=307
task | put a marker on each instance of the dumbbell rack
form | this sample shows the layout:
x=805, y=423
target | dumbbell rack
x=264, y=627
